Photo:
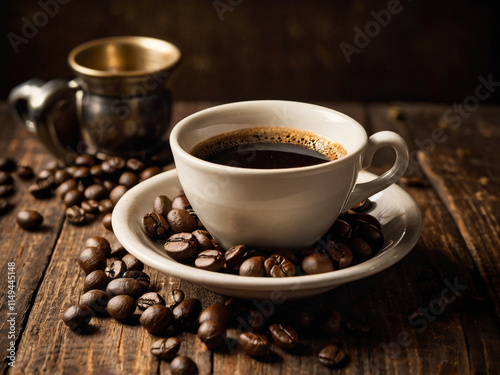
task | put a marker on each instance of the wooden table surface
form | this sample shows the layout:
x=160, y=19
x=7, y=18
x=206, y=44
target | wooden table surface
x=455, y=179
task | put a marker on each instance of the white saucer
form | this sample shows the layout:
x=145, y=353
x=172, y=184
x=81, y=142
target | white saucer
x=396, y=210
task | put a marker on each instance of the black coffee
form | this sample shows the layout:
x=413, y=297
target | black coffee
x=268, y=148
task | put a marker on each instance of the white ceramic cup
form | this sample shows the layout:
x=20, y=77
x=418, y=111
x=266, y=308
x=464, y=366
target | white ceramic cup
x=278, y=208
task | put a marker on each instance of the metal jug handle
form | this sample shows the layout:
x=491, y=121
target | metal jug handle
x=48, y=109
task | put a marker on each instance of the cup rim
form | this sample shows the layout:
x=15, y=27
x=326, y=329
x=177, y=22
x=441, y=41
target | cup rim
x=193, y=160
x=139, y=40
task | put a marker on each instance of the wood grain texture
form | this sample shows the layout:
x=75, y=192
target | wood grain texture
x=461, y=338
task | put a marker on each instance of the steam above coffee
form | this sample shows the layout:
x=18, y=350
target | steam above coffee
x=268, y=148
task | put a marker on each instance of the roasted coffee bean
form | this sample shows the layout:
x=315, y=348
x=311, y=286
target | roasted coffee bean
x=41, y=189
x=106, y=206
x=371, y=234
x=150, y=299
x=71, y=169
x=134, y=165
x=6, y=178
x=6, y=190
x=166, y=348
x=142, y=277
x=253, y=266
x=4, y=205
x=96, y=192
x=29, y=219
x=77, y=317
x=182, y=365
x=216, y=245
x=60, y=176
x=128, y=179
x=109, y=184
x=162, y=205
x=95, y=280
x=66, y=186
x=317, y=262
x=126, y=286
x=210, y=260
x=277, y=266
x=75, y=215
x=117, y=193
x=359, y=248
x=288, y=254
x=329, y=323
x=258, y=320
x=332, y=356
x=180, y=202
x=117, y=249
x=25, y=172
x=73, y=197
x=357, y=325
x=341, y=229
x=132, y=263
x=186, y=312
x=204, y=239
x=96, y=171
x=156, y=318
x=121, y=307
x=107, y=222
x=181, y=221
x=234, y=257
x=90, y=206
x=96, y=299
x=8, y=164
x=149, y=172
x=284, y=335
x=82, y=173
x=254, y=344
x=100, y=243
x=236, y=308
x=175, y=297
x=356, y=218
x=156, y=226
x=218, y=312
x=87, y=160
x=181, y=246
x=91, y=259
x=113, y=165
x=45, y=175
x=212, y=333
x=115, y=270
x=340, y=253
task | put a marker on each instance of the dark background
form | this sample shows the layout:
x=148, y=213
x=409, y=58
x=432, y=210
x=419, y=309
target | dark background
x=284, y=49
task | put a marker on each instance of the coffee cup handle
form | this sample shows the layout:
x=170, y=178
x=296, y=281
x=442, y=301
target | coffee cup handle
x=48, y=109
x=378, y=140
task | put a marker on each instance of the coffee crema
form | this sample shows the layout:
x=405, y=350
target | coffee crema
x=268, y=148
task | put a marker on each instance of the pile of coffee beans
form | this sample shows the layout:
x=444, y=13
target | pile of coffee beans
x=118, y=287
x=88, y=188
x=354, y=237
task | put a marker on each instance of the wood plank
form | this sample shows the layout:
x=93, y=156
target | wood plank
x=459, y=154
x=444, y=249
x=31, y=251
